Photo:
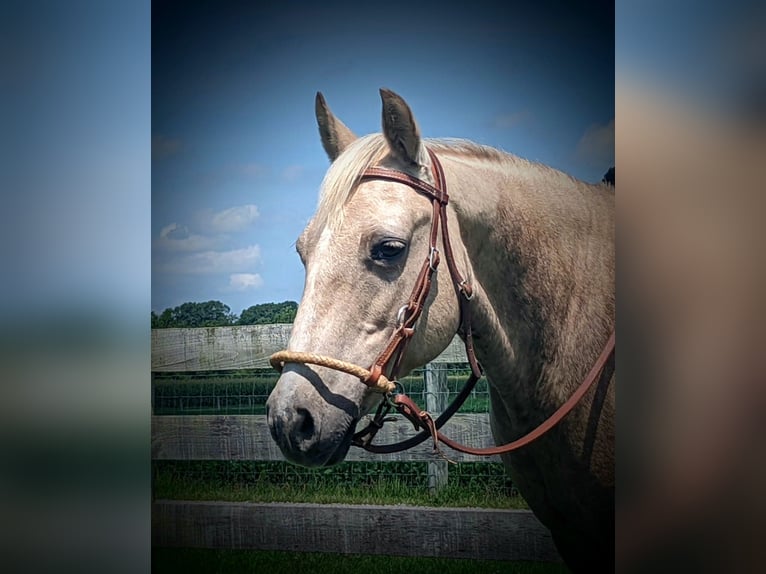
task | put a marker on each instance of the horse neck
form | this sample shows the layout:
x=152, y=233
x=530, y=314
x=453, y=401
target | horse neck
x=541, y=252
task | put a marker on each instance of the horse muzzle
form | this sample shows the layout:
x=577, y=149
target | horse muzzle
x=309, y=430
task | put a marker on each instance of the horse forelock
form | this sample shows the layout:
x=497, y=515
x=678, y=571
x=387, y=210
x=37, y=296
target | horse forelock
x=344, y=174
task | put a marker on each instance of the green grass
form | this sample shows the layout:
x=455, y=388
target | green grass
x=393, y=493
x=190, y=561
x=470, y=484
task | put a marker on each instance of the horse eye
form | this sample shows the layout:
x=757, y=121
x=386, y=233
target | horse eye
x=388, y=250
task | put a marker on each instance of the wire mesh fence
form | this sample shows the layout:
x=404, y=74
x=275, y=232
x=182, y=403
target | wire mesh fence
x=245, y=391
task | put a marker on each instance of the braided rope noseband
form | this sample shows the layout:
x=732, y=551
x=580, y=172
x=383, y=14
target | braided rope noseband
x=279, y=359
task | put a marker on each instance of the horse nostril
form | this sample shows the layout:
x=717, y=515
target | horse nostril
x=306, y=423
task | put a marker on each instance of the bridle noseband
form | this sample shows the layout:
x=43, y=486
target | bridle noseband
x=381, y=376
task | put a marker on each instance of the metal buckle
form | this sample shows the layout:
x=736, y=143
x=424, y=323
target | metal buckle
x=432, y=256
x=401, y=315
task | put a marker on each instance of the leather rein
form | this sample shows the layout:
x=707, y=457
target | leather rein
x=381, y=376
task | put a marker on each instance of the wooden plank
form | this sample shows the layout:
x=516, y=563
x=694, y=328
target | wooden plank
x=240, y=347
x=488, y=534
x=247, y=437
x=217, y=348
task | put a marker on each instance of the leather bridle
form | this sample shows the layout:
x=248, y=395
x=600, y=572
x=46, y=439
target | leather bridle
x=381, y=376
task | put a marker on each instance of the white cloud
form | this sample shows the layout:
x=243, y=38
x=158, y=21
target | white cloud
x=244, y=281
x=168, y=229
x=232, y=219
x=235, y=260
x=176, y=237
x=596, y=146
x=177, y=250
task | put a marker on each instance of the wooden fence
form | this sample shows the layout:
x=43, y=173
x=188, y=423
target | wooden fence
x=446, y=532
x=245, y=347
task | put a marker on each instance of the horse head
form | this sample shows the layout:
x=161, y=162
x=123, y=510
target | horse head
x=363, y=252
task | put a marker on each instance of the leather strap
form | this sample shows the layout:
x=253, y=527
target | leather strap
x=389, y=360
x=392, y=354
x=364, y=437
x=421, y=419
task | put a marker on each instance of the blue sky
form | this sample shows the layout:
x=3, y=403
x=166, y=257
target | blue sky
x=236, y=156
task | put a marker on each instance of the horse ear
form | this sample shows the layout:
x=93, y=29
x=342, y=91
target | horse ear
x=399, y=128
x=334, y=133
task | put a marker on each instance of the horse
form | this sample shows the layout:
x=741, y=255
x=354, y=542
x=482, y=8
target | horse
x=536, y=247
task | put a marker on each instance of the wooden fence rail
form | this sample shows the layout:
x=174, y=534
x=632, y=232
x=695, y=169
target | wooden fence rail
x=241, y=347
x=353, y=529
x=247, y=437
x=360, y=529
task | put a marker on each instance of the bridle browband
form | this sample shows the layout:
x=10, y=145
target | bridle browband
x=382, y=374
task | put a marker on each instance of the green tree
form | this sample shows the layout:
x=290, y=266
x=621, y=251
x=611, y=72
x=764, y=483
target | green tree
x=207, y=314
x=164, y=320
x=268, y=313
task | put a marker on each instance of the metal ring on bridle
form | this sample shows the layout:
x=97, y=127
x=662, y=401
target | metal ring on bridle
x=397, y=390
x=401, y=315
x=433, y=259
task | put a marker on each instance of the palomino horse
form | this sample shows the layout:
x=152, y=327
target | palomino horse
x=536, y=248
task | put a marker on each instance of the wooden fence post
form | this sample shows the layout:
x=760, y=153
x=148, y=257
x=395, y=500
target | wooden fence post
x=436, y=401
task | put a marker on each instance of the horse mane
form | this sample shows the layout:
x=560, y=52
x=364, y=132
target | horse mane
x=341, y=179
